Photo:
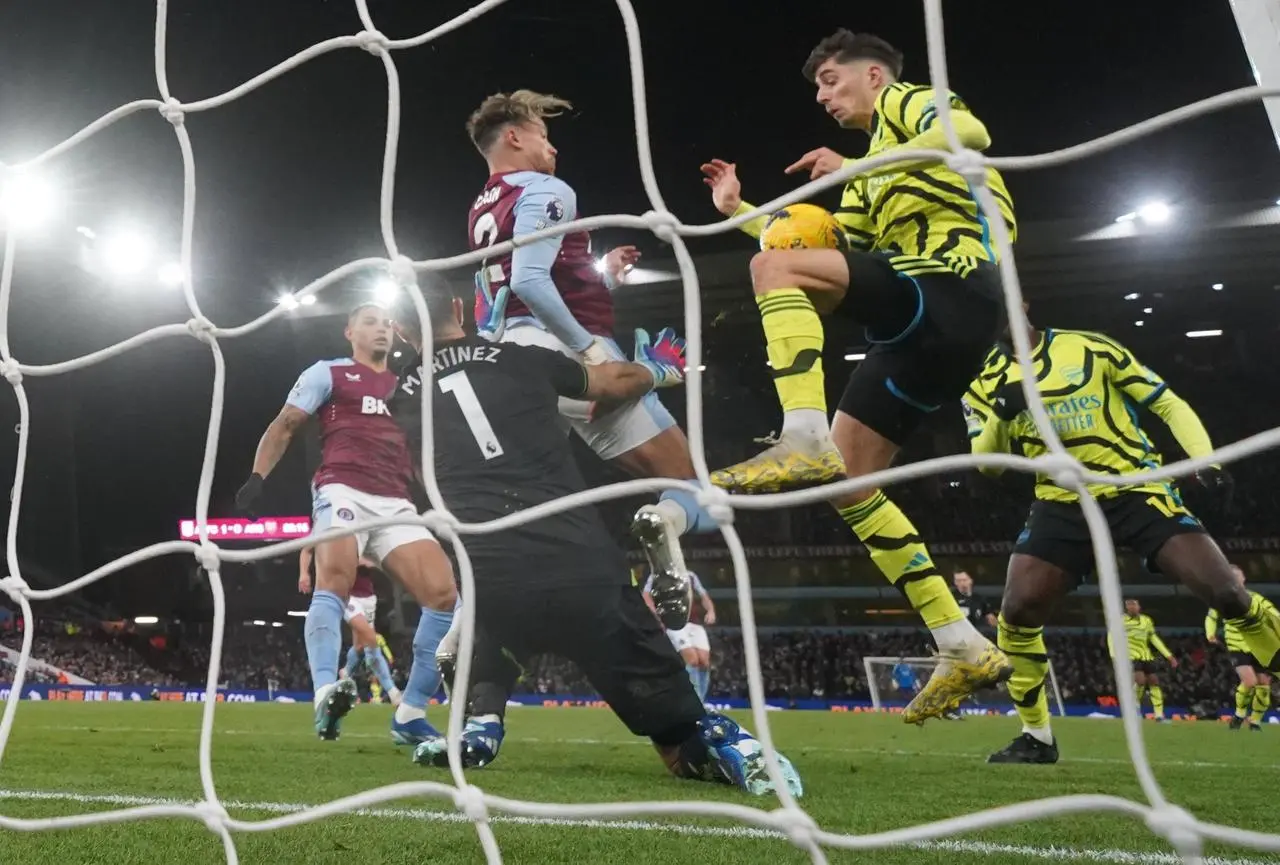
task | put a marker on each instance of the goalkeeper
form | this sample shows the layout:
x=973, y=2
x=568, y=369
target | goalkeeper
x=1090, y=385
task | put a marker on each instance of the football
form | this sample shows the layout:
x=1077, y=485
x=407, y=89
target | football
x=802, y=226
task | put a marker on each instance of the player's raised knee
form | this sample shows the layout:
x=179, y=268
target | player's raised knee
x=770, y=270
x=1231, y=599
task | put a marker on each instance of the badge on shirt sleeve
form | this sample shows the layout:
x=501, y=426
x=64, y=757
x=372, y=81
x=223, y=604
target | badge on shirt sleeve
x=555, y=210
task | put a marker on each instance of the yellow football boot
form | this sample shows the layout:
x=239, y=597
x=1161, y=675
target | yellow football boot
x=792, y=462
x=954, y=679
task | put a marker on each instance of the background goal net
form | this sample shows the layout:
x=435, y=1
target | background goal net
x=892, y=682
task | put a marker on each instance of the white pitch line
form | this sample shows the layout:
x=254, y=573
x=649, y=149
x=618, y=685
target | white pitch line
x=894, y=752
x=976, y=848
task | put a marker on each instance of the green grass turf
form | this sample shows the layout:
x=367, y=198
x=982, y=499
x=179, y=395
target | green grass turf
x=862, y=773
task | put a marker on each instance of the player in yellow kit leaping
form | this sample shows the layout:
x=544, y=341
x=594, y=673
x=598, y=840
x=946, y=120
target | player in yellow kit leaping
x=921, y=277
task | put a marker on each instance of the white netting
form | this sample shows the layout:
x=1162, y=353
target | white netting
x=1180, y=828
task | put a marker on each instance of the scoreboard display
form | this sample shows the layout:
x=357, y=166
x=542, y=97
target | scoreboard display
x=233, y=529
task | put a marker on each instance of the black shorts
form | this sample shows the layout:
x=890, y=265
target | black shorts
x=608, y=632
x=1056, y=532
x=1148, y=667
x=929, y=336
x=1245, y=659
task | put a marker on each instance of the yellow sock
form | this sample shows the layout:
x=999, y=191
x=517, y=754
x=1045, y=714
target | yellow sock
x=895, y=548
x=1140, y=692
x=375, y=690
x=793, y=333
x=1243, y=696
x=1026, y=651
x=1261, y=632
x=1261, y=702
x=1157, y=700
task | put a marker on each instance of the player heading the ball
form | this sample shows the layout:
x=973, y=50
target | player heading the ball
x=549, y=293
x=365, y=473
x=920, y=276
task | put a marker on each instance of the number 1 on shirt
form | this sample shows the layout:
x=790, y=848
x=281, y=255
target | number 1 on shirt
x=459, y=385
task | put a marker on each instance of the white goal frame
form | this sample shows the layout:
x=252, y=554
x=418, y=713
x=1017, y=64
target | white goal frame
x=1182, y=830
x=869, y=662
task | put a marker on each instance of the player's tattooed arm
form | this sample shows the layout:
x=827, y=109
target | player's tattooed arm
x=312, y=390
x=272, y=445
x=275, y=441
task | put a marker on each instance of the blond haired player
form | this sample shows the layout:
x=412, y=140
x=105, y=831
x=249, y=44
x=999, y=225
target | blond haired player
x=550, y=294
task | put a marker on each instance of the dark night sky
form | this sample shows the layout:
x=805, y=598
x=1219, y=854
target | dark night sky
x=288, y=177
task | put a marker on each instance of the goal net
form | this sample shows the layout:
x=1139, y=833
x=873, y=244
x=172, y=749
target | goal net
x=892, y=682
x=786, y=818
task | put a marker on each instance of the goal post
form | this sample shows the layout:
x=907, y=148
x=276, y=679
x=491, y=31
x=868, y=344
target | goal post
x=886, y=689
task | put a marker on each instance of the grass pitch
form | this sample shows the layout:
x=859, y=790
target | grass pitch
x=863, y=773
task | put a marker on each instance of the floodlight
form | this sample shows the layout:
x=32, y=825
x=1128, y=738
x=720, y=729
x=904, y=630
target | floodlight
x=171, y=274
x=386, y=290
x=26, y=200
x=1155, y=212
x=125, y=253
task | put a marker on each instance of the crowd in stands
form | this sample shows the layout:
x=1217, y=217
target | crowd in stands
x=802, y=665
x=796, y=665
x=95, y=653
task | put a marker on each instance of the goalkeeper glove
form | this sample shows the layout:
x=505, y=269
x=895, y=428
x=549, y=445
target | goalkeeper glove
x=663, y=356
x=1218, y=481
x=491, y=309
x=248, y=493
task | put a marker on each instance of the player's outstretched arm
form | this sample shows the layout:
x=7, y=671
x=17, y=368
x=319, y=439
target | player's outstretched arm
x=1145, y=387
x=1158, y=644
x=659, y=363
x=726, y=193
x=1211, y=626
x=275, y=441
x=311, y=391
x=617, y=382
x=544, y=202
